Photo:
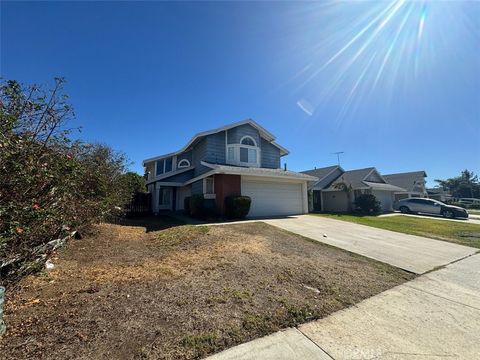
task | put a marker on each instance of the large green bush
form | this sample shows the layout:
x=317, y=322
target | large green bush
x=237, y=207
x=367, y=204
x=49, y=184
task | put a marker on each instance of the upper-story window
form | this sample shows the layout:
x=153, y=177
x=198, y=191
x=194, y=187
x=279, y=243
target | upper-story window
x=245, y=153
x=248, y=140
x=184, y=163
x=163, y=166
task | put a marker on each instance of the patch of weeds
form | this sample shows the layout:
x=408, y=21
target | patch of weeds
x=298, y=314
x=242, y=295
x=44, y=275
x=258, y=323
x=216, y=300
x=177, y=235
x=235, y=334
x=201, y=344
x=284, y=276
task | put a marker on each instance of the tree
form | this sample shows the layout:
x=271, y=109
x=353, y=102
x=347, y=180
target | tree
x=132, y=183
x=49, y=184
x=466, y=185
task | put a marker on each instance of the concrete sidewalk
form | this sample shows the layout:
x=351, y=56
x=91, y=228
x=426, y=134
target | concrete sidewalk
x=409, y=252
x=435, y=316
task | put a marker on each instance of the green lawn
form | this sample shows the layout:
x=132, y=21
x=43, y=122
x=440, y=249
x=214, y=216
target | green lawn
x=453, y=231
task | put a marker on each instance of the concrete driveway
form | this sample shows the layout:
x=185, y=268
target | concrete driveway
x=409, y=252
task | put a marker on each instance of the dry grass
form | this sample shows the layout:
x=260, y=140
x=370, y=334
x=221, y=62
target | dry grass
x=181, y=293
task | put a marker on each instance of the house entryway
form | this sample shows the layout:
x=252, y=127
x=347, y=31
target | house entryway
x=317, y=200
x=165, y=198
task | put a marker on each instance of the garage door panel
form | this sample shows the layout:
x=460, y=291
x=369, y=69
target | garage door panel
x=273, y=199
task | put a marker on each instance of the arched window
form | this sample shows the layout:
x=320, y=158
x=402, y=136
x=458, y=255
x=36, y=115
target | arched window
x=244, y=153
x=248, y=140
x=184, y=163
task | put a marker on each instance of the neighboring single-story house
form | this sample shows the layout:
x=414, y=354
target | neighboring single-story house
x=413, y=182
x=336, y=189
x=237, y=159
x=439, y=194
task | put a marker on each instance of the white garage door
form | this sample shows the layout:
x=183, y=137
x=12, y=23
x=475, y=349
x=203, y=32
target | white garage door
x=273, y=198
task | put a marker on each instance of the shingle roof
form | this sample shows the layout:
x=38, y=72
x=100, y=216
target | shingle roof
x=320, y=172
x=383, y=186
x=354, y=178
x=409, y=180
x=254, y=171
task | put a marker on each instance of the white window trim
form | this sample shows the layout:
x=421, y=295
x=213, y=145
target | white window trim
x=236, y=153
x=164, y=166
x=180, y=166
x=248, y=137
x=205, y=195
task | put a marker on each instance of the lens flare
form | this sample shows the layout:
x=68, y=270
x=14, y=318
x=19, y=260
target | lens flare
x=371, y=50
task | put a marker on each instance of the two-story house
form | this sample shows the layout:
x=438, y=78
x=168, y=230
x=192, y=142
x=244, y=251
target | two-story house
x=237, y=159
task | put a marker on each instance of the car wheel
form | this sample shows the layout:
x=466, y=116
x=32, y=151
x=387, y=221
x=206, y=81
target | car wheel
x=448, y=214
x=404, y=209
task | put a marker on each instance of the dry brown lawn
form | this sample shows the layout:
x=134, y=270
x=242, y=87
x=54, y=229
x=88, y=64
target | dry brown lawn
x=181, y=293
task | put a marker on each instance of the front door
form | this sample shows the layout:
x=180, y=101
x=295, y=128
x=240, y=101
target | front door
x=165, y=198
x=317, y=200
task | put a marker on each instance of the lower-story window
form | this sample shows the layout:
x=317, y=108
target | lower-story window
x=209, y=187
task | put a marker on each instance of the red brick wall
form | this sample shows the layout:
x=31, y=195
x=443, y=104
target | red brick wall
x=226, y=185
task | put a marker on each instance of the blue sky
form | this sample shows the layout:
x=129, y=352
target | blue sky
x=393, y=85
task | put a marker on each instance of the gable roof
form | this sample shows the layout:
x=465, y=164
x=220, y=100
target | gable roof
x=321, y=172
x=358, y=179
x=409, y=180
x=263, y=133
x=354, y=178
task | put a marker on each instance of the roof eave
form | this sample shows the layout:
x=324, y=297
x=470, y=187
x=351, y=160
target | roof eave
x=241, y=171
x=263, y=132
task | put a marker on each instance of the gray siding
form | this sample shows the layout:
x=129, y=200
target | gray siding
x=322, y=184
x=186, y=155
x=187, y=175
x=211, y=149
x=335, y=201
x=373, y=177
x=235, y=134
x=216, y=148
x=197, y=187
x=199, y=154
x=270, y=155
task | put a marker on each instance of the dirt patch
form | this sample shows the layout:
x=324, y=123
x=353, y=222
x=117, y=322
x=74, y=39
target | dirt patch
x=181, y=293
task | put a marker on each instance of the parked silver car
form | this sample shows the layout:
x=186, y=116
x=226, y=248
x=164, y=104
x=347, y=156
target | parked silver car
x=430, y=206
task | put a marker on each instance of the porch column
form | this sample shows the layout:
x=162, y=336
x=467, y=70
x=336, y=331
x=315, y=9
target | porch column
x=155, y=197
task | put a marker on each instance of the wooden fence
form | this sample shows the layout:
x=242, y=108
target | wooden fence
x=140, y=205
